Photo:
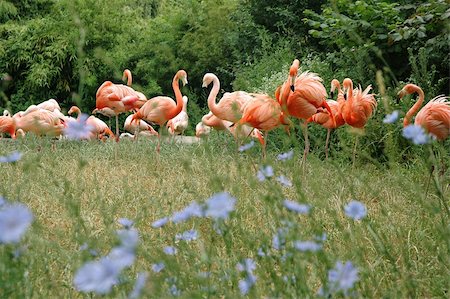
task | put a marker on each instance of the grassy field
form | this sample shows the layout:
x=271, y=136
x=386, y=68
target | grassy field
x=79, y=190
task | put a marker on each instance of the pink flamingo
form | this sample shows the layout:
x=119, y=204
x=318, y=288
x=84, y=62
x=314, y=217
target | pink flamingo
x=434, y=117
x=323, y=118
x=160, y=109
x=178, y=124
x=302, y=96
x=100, y=127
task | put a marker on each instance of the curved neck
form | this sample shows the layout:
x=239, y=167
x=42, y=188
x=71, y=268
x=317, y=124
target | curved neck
x=350, y=94
x=212, y=96
x=178, y=97
x=76, y=110
x=415, y=107
x=290, y=82
x=127, y=74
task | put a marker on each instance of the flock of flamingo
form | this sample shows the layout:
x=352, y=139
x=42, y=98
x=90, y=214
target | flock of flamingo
x=241, y=113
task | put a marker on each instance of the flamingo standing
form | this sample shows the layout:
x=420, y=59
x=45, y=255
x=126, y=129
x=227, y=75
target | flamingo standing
x=160, y=109
x=100, y=128
x=231, y=105
x=324, y=119
x=301, y=97
x=113, y=99
x=434, y=117
x=178, y=124
x=265, y=114
x=358, y=108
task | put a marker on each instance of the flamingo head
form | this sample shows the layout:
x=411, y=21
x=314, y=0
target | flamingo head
x=334, y=85
x=293, y=71
x=74, y=108
x=182, y=75
x=347, y=85
x=207, y=79
x=407, y=89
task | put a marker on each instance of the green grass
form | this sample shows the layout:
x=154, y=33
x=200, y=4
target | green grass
x=79, y=190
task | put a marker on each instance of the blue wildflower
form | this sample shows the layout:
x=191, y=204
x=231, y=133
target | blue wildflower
x=307, y=246
x=170, y=250
x=286, y=156
x=342, y=277
x=138, y=285
x=158, y=267
x=78, y=129
x=296, y=207
x=14, y=221
x=189, y=235
x=98, y=277
x=174, y=291
x=261, y=252
x=13, y=157
x=416, y=134
x=192, y=210
x=247, y=146
x=264, y=172
x=248, y=265
x=160, y=222
x=128, y=237
x=121, y=257
x=126, y=223
x=220, y=205
x=391, y=118
x=356, y=210
x=279, y=239
x=284, y=181
x=246, y=284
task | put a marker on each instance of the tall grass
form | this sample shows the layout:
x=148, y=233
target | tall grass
x=79, y=190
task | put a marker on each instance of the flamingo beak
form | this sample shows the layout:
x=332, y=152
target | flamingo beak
x=292, y=88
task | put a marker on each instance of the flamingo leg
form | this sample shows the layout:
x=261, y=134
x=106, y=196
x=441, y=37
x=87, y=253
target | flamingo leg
x=264, y=144
x=117, y=125
x=326, y=144
x=305, y=134
x=158, y=147
x=354, y=151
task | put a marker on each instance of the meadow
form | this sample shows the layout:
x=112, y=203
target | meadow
x=80, y=191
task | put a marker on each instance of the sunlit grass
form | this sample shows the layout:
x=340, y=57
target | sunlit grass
x=79, y=190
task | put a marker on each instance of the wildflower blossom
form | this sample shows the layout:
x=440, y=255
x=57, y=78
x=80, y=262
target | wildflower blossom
x=264, y=172
x=296, y=207
x=220, y=205
x=248, y=265
x=138, y=285
x=98, y=277
x=14, y=221
x=284, y=181
x=13, y=157
x=246, y=284
x=342, y=277
x=356, y=210
x=304, y=246
x=128, y=237
x=247, y=146
x=286, y=156
x=174, y=291
x=416, y=134
x=160, y=222
x=78, y=129
x=192, y=210
x=279, y=239
x=158, y=267
x=391, y=118
x=121, y=257
x=126, y=223
x=261, y=252
x=170, y=250
x=189, y=235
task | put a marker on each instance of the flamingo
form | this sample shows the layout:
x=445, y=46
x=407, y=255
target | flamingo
x=127, y=75
x=113, y=99
x=160, y=109
x=41, y=122
x=137, y=129
x=324, y=119
x=202, y=130
x=100, y=127
x=179, y=123
x=7, y=124
x=302, y=96
x=265, y=114
x=231, y=105
x=358, y=108
x=434, y=117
